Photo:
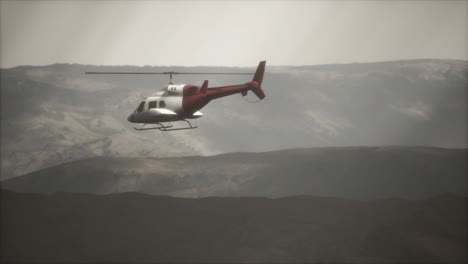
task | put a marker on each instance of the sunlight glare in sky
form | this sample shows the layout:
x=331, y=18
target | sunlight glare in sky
x=229, y=33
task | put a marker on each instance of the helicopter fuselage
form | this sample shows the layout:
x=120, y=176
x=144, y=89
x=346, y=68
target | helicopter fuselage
x=183, y=101
x=179, y=102
x=165, y=106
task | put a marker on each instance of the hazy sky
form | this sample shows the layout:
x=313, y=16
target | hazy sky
x=229, y=33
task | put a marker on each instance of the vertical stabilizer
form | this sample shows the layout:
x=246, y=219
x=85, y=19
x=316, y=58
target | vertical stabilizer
x=257, y=80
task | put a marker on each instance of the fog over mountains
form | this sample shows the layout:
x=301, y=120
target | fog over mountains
x=55, y=114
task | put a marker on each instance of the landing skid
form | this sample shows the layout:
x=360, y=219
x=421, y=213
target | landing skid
x=162, y=127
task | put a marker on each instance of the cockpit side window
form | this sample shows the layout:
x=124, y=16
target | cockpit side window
x=140, y=107
x=152, y=104
x=162, y=104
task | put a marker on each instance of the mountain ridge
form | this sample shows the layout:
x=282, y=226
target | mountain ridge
x=54, y=114
x=349, y=172
x=253, y=66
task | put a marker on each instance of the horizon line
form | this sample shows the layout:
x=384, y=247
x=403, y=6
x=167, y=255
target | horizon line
x=242, y=66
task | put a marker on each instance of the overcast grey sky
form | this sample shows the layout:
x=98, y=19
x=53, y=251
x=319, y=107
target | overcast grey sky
x=230, y=33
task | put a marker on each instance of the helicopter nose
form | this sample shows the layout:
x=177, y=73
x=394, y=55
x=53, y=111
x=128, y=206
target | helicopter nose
x=130, y=118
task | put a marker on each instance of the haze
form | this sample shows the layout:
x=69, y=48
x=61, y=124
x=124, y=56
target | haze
x=229, y=33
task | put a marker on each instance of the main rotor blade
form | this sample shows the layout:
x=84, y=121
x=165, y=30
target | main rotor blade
x=126, y=73
x=224, y=73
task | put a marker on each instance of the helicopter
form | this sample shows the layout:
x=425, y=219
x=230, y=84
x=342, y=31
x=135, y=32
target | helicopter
x=180, y=102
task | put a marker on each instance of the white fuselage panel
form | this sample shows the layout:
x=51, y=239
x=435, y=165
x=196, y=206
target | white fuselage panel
x=164, y=106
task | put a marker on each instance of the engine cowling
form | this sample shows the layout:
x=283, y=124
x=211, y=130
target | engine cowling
x=190, y=90
x=176, y=89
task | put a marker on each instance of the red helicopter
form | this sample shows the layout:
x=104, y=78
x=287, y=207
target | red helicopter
x=179, y=102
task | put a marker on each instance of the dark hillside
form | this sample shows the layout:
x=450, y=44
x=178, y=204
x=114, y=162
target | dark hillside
x=353, y=172
x=132, y=227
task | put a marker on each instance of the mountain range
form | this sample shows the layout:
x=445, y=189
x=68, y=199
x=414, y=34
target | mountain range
x=56, y=114
x=344, y=163
x=363, y=173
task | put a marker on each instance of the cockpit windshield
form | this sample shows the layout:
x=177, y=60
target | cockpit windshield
x=140, y=107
